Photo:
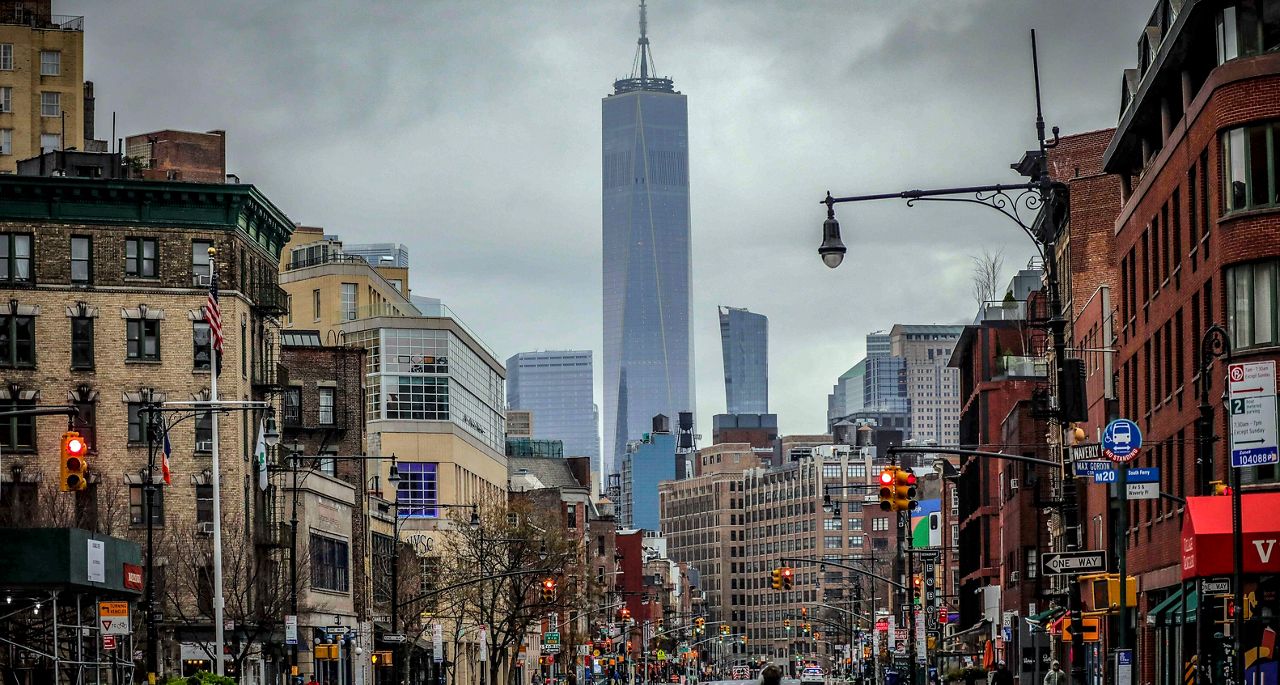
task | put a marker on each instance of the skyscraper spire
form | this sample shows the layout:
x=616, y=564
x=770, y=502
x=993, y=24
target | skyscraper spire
x=643, y=75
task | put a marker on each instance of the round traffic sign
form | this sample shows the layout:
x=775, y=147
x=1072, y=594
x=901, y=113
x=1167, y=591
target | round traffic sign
x=1121, y=441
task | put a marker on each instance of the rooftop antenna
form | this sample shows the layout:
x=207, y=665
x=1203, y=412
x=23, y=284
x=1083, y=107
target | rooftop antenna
x=644, y=58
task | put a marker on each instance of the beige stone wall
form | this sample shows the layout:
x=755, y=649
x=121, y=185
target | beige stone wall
x=25, y=120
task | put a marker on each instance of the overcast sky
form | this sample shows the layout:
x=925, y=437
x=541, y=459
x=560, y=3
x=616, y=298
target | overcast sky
x=471, y=132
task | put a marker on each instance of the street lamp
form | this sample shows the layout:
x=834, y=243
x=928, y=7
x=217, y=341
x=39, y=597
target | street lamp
x=832, y=249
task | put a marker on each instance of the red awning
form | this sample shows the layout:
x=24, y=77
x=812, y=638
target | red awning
x=1206, y=535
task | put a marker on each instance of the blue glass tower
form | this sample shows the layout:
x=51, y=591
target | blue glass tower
x=558, y=387
x=744, y=339
x=648, y=343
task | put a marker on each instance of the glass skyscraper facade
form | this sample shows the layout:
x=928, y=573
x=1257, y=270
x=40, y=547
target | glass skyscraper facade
x=648, y=342
x=744, y=339
x=558, y=388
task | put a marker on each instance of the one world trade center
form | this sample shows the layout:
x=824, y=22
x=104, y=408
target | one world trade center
x=648, y=345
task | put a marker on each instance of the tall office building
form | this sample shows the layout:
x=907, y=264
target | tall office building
x=933, y=388
x=744, y=338
x=648, y=342
x=557, y=386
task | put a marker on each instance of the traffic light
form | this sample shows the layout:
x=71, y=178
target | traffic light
x=887, y=479
x=808, y=628
x=724, y=628
x=1220, y=488
x=776, y=578
x=381, y=659
x=624, y=614
x=701, y=623
x=904, y=490
x=75, y=470
x=786, y=623
x=788, y=578
x=549, y=590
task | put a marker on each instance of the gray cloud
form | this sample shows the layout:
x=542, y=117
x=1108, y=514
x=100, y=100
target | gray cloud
x=470, y=131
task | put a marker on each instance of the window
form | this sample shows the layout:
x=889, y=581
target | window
x=142, y=339
x=204, y=504
x=136, y=432
x=50, y=63
x=348, y=301
x=1249, y=178
x=571, y=513
x=326, y=396
x=293, y=406
x=328, y=466
x=855, y=524
x=50, y=142
x=6, y=99
x=6, y=141
x=832, y=542
x=880, y=523
x=138, y=506
x=200, y=345
x=857, y=471
x=204, y=432
x=200, y=269
x=50, y=106
x=288, y=308
x=315, y=304
x=417, y=492
x=140, y=257
x=6, y=56
x=1032, y=565
x=831, y=471
x=1243, y=31
x=81, y=259
x=855, y=540
x=329, y=563
x=15, y=258
x=831, y=524
x=17, y=341
x=19, y=432
x=81, y=342
x=1252, y=304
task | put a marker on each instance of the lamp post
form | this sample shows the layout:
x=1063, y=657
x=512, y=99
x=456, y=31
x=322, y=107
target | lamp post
x=1048, y=201
x=1216, y=343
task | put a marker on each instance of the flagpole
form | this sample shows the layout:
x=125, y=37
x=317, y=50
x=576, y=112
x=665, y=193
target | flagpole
x=218, y=639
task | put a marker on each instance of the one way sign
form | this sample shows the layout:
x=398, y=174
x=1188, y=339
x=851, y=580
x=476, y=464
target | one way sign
x=1072, y=563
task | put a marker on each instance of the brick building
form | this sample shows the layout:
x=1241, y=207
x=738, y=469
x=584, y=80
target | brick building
x=42, y=89
x=180, y=155
x=1197, y=241
x=105, y=283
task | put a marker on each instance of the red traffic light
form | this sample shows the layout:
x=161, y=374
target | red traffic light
x=886, y=477
x=75, y=447
x=549, y=584
x=911, y=478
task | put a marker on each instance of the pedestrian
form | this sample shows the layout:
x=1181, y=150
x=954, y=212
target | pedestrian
x=771, y=675
x=1055, y=676
x=313, y=680
x=1002, y=675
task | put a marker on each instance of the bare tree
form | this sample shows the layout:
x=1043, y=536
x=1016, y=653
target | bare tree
x=256, y=590
x=985, y=278
x=505, y=553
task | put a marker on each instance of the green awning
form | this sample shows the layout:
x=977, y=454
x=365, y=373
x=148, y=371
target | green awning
x=1170, y=611
x=1046, y=616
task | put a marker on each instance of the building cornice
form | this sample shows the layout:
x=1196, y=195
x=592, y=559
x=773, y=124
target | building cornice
x=158, y=204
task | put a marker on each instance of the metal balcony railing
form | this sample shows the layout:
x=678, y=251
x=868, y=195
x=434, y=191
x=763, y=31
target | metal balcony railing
x=270, y=299
x=1003, y=310
x=314, y=419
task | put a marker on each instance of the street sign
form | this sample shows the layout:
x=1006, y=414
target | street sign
x=437, y=642
x=1071, y=563
x=393, y=638
x=1121, y=441
x=1124, y=667
x=1215, y=586
x=1085, y=468
x=1111, y=476
x=1150, y=474
x=551, y=643
x=291, y=629
x=336, y=630
x=108, y=642
x=113, y=617
x=1251, y=393
x=1142, y=490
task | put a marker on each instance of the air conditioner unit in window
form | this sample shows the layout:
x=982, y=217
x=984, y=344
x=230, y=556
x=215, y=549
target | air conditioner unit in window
x=205, y=528
x=955, y=512
x=1013, y=483
x=204, y=445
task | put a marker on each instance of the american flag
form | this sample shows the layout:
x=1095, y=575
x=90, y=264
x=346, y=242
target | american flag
x=213, y=315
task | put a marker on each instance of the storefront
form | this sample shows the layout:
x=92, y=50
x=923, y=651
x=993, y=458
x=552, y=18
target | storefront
x=1206, y=599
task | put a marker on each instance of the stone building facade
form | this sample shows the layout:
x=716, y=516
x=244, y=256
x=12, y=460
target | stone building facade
x=104, y=283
